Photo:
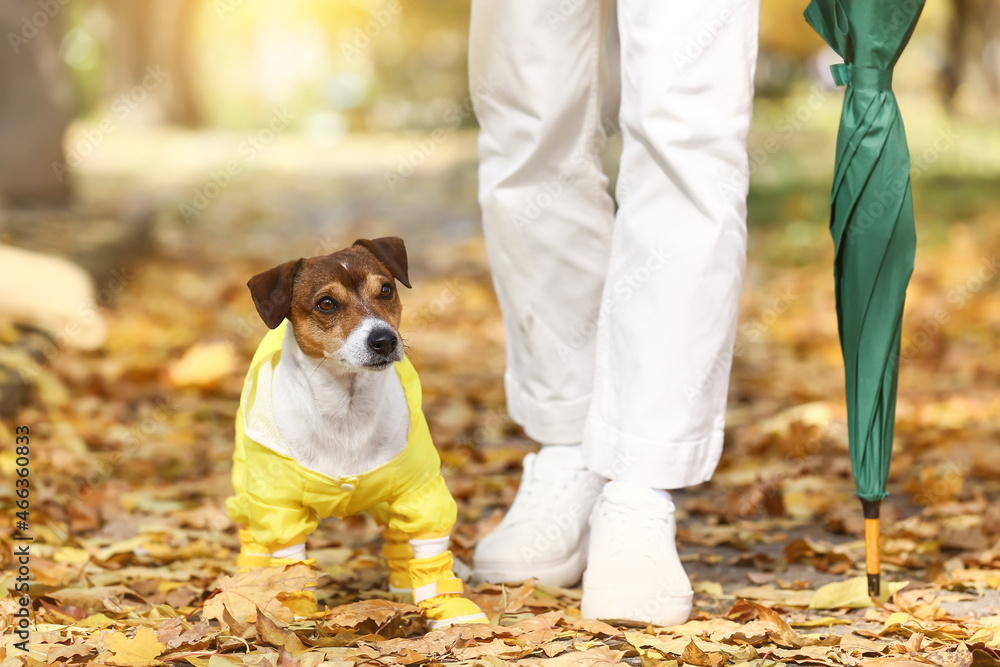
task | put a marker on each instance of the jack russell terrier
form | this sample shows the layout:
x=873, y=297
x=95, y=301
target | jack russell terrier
x=330, y=424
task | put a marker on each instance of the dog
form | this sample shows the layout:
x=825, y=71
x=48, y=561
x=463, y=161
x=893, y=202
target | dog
x=330, y=424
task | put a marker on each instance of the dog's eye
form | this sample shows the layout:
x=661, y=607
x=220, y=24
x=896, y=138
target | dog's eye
x=327, y=305
x=387, y=291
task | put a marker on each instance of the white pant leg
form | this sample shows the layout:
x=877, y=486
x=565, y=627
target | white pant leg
x=547, y=216
x=669, y=307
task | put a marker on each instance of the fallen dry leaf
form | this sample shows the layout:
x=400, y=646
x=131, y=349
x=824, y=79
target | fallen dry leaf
x=852, y=594
x=140, y=650
x=677, y=645
x=376, y=611
x=135, y=439
x=693, y=655
x=245, y=592
x=203, y=365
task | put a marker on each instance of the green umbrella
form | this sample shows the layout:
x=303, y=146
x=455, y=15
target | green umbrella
x=871, y=220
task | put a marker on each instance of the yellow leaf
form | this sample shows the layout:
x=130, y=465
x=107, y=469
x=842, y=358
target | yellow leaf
x=824, y=621
x=852, y=593
x=711, y=588
x=71, y=556
x=222, y=661
x=203, y=365
x=987, y=636
x=139, y=651
x=895, y=621
x=96, y=621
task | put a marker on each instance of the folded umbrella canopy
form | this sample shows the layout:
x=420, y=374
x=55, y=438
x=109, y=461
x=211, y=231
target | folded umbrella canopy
x=871, y=220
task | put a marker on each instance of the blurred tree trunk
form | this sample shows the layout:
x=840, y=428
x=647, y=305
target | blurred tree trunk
x=973, y=53
x=35, y=101
x=154, y=36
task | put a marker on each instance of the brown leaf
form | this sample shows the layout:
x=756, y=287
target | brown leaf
x=594, y=627
x=676, y=645
x=58, y=654
x=285, y=659
x=279, y=637
x=438, y=642
x=807, y=654
x=173, y=633
x=779, y=631
x=754, y=633
x=496, y=648
x=892, y=662
x=772, y=595
x=693, y=655
x=760, y=578
x=410, y=657
x=237, y=628
x=538, y=629
x=646, y=660
x=355, y=614
x=856, y=644
x=195, y=638
x=518, y=596
x=958, y=656
x=598, y=655
x=170, y=630
x=245, y=592
x=782, y=633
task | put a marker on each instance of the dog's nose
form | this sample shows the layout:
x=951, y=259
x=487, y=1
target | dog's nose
x=382, y=341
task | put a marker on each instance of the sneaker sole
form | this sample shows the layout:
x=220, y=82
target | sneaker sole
x=613, y=604
x=561, y=573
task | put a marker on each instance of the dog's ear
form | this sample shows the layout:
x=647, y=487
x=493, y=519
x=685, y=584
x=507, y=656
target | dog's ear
x=391, y=252
x=272, y=292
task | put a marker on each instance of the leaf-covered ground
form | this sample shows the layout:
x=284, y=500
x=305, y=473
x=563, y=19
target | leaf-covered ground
x=133, y=556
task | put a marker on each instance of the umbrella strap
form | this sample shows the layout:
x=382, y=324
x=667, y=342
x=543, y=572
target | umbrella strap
x=863, y=78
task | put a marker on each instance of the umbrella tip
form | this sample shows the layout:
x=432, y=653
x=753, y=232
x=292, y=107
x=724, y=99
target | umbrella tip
x=871, y=508
x=874, y=585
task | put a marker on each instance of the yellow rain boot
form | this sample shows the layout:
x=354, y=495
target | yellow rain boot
x=438, y=593
x=398, y=553
x=251, y=554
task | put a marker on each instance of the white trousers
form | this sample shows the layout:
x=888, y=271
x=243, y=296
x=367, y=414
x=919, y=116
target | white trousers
x=620, y=324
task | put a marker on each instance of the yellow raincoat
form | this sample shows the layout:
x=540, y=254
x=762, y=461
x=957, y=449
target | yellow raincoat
x=278, y=502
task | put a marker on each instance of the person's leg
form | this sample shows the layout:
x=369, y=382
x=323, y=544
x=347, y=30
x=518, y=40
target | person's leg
x=669, y=309
x=547, y=218
x=665, y=338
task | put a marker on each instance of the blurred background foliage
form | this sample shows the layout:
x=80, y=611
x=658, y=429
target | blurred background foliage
x=354, y=65
x=338, y=66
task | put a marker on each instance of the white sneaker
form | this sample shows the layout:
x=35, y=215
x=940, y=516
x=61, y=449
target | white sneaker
x=633, y=571
x=544, y=534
